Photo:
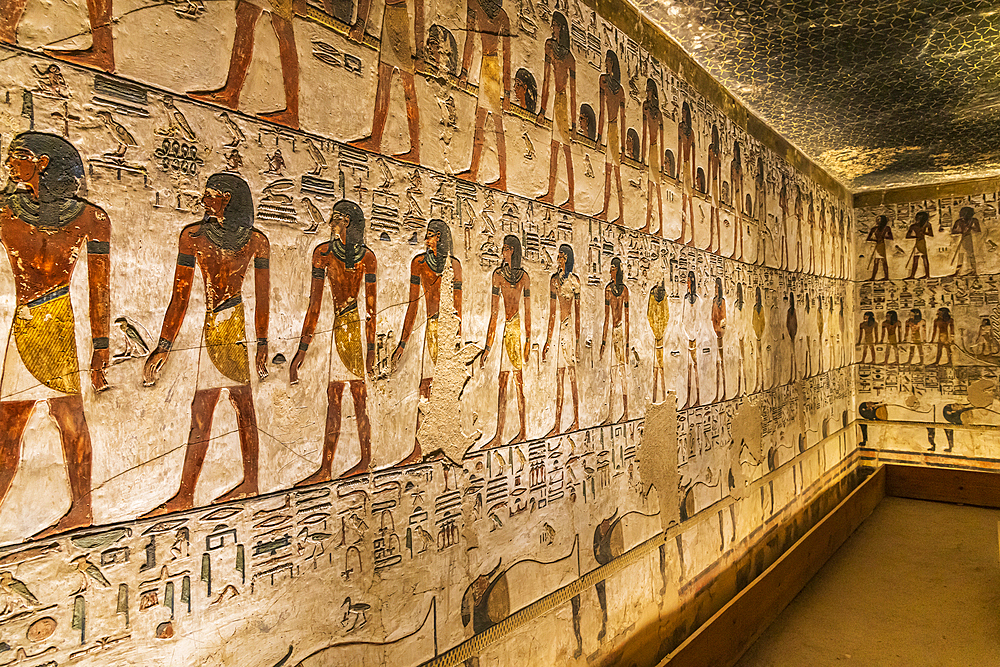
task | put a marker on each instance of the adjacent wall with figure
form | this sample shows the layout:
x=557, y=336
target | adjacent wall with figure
x=928, y=327
x=398, y=333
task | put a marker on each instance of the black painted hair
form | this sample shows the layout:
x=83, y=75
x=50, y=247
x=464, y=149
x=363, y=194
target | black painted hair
x=620, y=274
x=560, y=18
x=567, y=249
x=61, y=179
x=239, y=210
x=515, y=245
x=356, y=221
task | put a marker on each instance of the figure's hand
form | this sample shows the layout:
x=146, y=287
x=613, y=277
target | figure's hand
x=357, y=32
x=262, y=361
x=370, y=364
x=541, y=117
x=545, y=350
x=154, y=363
x=419, y=63
x=527, y=349
x=482, y=357
x=397, y=354
x=463, y=78
x=506, y=103
x=598, y=138
x=98, y=362
x=293, y=368
x=601, y=355
x=572, y=128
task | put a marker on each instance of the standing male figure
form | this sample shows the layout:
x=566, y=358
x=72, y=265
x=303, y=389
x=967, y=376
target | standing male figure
x=879, y=234
x=719, y=325
x=736, y=185
x=784, y=261
x=564, y=288
x=760, y=199
x=222, y=244
x=560, y=62
x=658, y=314
x=44, y=226
x=966, y=224
x=346, y=262
x=396, y=54
x=792, y=325
x=943, y=334
x=920, y=230
x=512, y=283
x=652, y=123
x=616, y=314
x=714, y=167
x=427, y=270
x=758, y=332
x=247, y=14
x=612, y=100
x=687, y=169
x=915, y=333
x=488, y=18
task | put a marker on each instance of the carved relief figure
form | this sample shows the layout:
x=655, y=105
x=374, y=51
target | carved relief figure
x=920, y=230
x=915, y=330
x=943, y=334
x=616, y=315
x=560, y=70
x=760, y=197
x=792, y=326
x=891, y=327
x=784, y=262
x=658, y=314
x=247, y=14
x=687, y=168
x=427, y=270
x=511, y=282
x=43, y=227
x=488, y=19
x=396, y=56
x=866, y=336
x=652, y=120
x=719, y=326
x=879, y=234
x=346, y=263
x=613, y=101
x=564, y=289
x=222, y=244
x=689, y=315
x=101, y=52
x=736, y=183
x=964, y=227
x=714, y=167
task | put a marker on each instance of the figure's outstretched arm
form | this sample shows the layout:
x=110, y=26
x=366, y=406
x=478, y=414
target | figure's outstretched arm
x=494, y=310
x=312, y=312
x=527, y=314
x=411, y=312
x=183, y=277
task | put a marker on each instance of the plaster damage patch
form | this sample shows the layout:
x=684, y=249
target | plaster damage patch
x=658, y=458
x=440, y=431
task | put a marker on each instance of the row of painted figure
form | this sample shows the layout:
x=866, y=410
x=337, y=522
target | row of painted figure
x=962, y=262
x=44, y=225
x=488, y=22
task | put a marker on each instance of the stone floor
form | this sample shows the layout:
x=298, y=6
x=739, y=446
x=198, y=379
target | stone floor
x=917, y=585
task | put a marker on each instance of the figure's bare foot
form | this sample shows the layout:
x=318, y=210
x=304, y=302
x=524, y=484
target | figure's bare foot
x=365, y=144
x=644, y=229
x=416, y=456
x=8, y=32
x=220, y=96
x=554, y=431
x=624, y=418
x=412, y=156
x=242, y=490
x=360, y=469
x=321, y=475
x=567, y=206
x=289, y=119
x=679, y=239
x=91, y=57
x=547, y=198
x=175, y=504
x=575, y=426
x=603, y=215
x=520, y=437
x=617, y=221
x=499, y=184
x=74, y=518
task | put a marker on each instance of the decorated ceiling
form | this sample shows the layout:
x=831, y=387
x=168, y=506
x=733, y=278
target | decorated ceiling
x=882, y=93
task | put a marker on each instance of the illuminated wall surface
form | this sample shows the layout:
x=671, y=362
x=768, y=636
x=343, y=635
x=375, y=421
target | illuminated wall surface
x=928, y=303
x=340, y=335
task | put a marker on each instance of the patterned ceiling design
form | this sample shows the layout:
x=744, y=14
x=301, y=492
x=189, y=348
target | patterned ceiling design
x=879, y=92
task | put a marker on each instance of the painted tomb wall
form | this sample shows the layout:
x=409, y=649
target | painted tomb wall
x=334, y=341
x=927, y=328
